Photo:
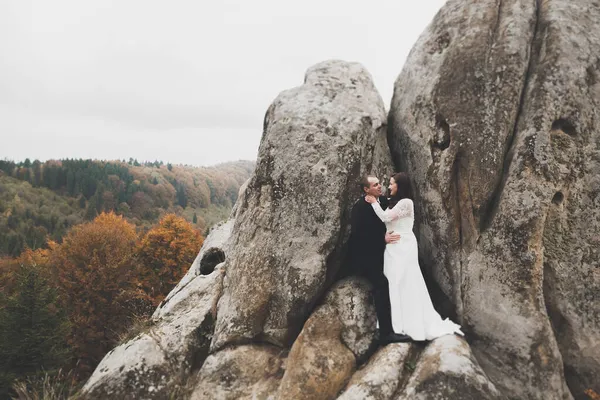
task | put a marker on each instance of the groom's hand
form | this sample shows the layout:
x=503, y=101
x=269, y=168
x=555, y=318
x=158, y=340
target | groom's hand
x=391, y=237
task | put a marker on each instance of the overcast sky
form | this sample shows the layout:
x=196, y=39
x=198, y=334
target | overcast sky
x=180, y=81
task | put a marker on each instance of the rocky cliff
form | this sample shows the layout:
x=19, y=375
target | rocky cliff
x=495, y=117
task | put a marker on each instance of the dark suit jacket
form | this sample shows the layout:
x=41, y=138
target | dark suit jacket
x=367, y=239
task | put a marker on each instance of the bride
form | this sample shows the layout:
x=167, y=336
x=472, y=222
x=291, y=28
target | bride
x=412, y=311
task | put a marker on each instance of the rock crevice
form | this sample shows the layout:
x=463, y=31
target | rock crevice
x=533, y=54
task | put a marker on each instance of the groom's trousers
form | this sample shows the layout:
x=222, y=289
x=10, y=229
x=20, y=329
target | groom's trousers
x=381, y=295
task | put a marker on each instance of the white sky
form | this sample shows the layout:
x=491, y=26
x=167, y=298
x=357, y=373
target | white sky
x=183, y=81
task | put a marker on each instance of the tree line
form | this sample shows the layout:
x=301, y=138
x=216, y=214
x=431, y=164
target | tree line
x=42, y=200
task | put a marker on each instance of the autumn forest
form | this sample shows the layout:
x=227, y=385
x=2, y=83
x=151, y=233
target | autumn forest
x=88, y=249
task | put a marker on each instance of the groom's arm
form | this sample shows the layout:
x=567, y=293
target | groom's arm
x=356, y=220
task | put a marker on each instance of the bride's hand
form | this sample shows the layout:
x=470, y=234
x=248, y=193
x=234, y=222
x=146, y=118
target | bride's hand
x=370, y=199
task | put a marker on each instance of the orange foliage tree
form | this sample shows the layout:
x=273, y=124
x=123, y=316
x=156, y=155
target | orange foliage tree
x=165, y=254
x=96, y=271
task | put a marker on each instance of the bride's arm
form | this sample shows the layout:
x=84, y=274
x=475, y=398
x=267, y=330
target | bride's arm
x=402, y=209
x=385, y=216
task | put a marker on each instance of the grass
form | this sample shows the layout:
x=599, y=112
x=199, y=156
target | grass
x=139, y=324
x=58, y=386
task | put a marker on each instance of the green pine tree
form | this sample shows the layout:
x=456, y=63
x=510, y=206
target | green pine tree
x=81, y=201
x=92, y=208
x=181, y=195
x=33, y=329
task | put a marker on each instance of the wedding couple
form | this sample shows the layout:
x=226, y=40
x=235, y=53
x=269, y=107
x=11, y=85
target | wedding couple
x=383, y=249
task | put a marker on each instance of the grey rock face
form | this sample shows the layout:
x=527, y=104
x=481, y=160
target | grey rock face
x=447, y=370
x=381, y=377
x=293, y=220
x=495, y=115
x=244, y=372
x=138, y=369
x=351, y=303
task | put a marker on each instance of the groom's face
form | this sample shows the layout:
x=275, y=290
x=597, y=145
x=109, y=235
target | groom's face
x=374, y=188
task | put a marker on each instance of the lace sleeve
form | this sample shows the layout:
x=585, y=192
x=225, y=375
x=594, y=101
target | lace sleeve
x=404, y=208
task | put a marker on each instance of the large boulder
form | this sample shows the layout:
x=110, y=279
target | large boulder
x=382, y=376
x=319, y=364
x=250, y=372
x=447, y=370
x=291, y=225
x=337, y=334
x=495, y=115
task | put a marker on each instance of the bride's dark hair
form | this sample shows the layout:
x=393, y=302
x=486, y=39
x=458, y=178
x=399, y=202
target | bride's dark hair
x=404, y=190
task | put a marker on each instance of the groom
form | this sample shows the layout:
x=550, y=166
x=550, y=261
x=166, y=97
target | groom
x=366, y=245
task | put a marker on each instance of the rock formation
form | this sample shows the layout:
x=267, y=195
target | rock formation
x=496, y=116
x=293, y=222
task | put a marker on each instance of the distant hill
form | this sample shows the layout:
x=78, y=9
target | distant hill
x=43, y=200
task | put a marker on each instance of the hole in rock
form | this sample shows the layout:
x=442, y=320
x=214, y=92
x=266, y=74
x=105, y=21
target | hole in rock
x=442, y=140
x=558, y=198
x=367, y=121
x=329, y=131
x=440, y=43
x=590, y=77
x=564, y=125
x=210, y=260
x=443, y=41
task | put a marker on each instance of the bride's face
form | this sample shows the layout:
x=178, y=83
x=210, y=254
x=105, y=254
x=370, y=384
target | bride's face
x=393, y=188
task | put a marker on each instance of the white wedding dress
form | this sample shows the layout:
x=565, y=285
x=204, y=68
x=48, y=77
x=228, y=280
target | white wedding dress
x=412, y=311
